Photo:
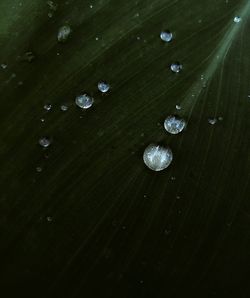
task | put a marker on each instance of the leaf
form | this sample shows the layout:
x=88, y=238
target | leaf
x=85, y=216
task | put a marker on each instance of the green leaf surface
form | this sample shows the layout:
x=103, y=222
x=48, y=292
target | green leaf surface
x=95, y=222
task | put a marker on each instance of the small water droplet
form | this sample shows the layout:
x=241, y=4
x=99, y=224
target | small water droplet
x=178, y=107
x=84, y=101
x=64, y=108
x=28, y=57
x=212, y=121
x=220, y=118
x=157, y=158
x=174, y=124
x=4, y=66
x=176, y=67
x=52, y=5
x=49, y=218
x=39, y=169
x=47, y=107
x=103, y=86
x=237, y=19
x=166, y=36
x=91, y=6
x=42, y=120
x=44, y=142
x=64, y=33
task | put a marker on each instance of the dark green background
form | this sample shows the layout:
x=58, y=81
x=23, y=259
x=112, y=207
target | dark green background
x=118, y=229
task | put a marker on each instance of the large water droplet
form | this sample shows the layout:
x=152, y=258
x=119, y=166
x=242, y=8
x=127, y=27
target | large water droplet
x=103, y=86
x=237, y=19
x=44, y=142
x=166, y=36
x=64, y=33
x=176, y=67
x=157, y=158
x=84, y=101
x=174, y=124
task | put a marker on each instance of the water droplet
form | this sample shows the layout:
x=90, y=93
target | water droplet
x=103, y=86
x=52, y=5
x=212, y=121
x=39, y=169
x=178, y=107
x=28, y=57
x=49, y=218
x=176, y=67
x=44, y=142
x=174, y=124
x=166, y=36
x=47, y=107
x=220, y=118
x=64, y=33
x=64, y=108
x=157, y=158
x=84, y=101
x=4, y=66
x=42, y=120
x=237, y=19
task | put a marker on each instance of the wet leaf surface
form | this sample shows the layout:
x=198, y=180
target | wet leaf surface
x=85, y=216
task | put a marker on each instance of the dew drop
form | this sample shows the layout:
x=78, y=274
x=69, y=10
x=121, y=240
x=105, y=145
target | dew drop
x=4, y=66
x=39, y=169
x=178, y=107
x=64, y=33
x=212, y=121
x=166, y=36
x=103, y=87
x=52, y=5
x=157, y=158
x=237, y=19
x=28, y=57
x=174, y=124
x=176, y=67
x=84, y=101
x=64, y=108
x=47, y=107
x=44, y=142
